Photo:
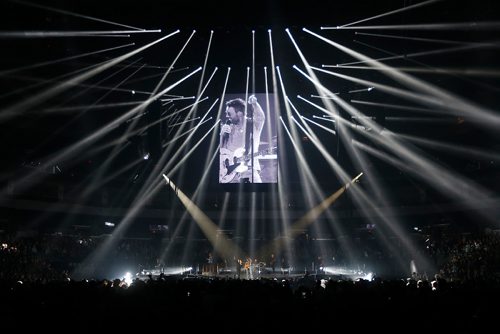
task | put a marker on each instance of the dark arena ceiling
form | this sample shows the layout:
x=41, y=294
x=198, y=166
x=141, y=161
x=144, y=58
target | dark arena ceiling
x=73, y=73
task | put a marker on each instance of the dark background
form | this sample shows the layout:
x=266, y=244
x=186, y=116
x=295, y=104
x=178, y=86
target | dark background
x=33, y=136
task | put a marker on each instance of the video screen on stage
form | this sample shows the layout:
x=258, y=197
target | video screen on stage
x=248, y=140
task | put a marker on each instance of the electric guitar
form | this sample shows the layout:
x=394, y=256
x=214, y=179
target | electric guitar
x=233, y=163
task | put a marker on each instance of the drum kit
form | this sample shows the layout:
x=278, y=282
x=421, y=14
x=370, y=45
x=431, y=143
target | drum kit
x=274, y=143
x=269, y=149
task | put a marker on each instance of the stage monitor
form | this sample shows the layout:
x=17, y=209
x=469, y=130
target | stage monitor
x=248, y=150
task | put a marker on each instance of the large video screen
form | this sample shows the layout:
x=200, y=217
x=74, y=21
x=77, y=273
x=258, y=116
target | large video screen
x=248, y=140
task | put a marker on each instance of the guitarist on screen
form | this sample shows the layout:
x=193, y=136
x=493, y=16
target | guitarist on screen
x=240, y=140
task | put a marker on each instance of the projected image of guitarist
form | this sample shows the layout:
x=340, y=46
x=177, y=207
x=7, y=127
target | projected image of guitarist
x=240, y=140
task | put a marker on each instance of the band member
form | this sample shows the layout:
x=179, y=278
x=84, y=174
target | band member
x=238, y=263
x=248, y=268
x=272, y=262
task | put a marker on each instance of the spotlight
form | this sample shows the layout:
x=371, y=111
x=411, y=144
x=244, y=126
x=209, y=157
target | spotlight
x=109, y=224
x=146, y=156
x=128, y=278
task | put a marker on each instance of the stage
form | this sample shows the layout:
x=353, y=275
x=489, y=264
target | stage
x=213, y=271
